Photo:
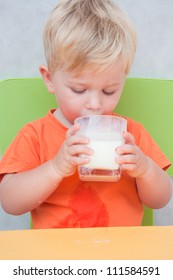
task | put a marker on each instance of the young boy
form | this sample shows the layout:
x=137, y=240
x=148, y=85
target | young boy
x=89, y=47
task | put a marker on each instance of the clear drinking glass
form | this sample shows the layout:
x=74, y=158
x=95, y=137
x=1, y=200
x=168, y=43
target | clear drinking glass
x=106, y=134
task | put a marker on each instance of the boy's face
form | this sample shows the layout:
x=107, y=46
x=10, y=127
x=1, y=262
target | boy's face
x=88, y=93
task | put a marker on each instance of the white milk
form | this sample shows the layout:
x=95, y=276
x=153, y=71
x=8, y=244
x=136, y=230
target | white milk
x=104, y=146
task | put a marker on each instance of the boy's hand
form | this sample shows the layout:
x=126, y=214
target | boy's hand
x=131, y=158
x=68, y=157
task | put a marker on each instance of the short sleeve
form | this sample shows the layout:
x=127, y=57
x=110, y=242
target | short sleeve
x=22, y=154
x=148, y=145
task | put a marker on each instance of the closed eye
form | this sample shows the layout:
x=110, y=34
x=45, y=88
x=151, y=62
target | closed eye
x=78, y=91
x=108, y=92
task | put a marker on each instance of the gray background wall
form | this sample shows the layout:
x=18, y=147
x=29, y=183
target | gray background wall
x=21, y=53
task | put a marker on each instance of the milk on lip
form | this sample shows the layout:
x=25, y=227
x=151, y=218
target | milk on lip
x=104, y=150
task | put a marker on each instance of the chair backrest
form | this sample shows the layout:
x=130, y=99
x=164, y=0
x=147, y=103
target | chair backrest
x=21, y=101
x=148, y=101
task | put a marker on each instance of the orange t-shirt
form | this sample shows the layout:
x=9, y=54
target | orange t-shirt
x=76, y=203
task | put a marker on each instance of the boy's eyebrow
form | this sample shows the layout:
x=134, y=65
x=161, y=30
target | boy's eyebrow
x=86, y=84
x=77, y=82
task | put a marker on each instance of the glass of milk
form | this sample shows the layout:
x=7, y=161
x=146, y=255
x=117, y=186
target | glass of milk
x=106, y=134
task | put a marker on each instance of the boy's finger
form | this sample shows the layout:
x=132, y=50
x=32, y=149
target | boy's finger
x=129, y=138
x=72, y=130
x=76, y=139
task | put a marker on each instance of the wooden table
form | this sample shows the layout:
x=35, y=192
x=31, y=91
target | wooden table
x=119, y=243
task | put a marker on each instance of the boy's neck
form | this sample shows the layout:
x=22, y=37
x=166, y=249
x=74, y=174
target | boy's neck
x=60, y=117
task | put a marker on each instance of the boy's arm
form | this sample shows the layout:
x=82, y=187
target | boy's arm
x=153, y=184
x=22, y=192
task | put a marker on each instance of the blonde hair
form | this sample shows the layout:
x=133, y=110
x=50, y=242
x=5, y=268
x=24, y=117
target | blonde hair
x=84, y=33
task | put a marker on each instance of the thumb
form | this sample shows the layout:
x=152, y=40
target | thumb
x=129, y=138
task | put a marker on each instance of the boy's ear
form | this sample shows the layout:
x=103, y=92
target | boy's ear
x=47, y=78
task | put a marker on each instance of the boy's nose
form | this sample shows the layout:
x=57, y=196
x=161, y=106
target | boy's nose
x=94, y=101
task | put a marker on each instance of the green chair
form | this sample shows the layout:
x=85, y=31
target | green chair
x=21, y=101
x=148, y=101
